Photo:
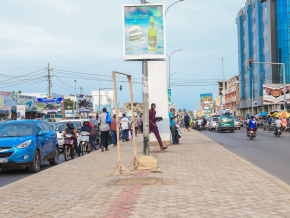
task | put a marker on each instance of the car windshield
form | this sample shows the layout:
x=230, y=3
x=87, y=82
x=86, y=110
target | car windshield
x=16, y=130
x=63, y=125
x=227, y=119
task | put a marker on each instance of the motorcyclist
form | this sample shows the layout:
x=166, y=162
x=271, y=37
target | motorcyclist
x=87, y=128
x=269, y=121
x=204, y=122
x=278, y=124
x=252, y=124
x=199, y=123
x=71, y=130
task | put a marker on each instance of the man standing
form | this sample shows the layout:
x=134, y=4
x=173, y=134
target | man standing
x=186, y=121
x=153, y=126
x=105, y=128
x=125, y=127
x=172, y=124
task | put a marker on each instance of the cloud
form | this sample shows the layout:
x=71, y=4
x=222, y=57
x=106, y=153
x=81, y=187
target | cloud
x=61, y=5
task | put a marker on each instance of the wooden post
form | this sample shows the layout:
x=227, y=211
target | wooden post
x=133, y=124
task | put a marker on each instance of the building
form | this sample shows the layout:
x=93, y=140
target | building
x=137, y=107
x=106, y=100
x=232, y=95
x=222, y=85
x=262, y=36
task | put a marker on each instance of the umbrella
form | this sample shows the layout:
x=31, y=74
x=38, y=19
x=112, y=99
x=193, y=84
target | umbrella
x=283, y=114
x=264, y=114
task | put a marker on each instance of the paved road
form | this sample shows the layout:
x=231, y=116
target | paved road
x=15, y=175
x=266, y=151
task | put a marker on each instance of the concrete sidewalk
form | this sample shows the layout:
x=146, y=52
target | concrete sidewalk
x=203, y=180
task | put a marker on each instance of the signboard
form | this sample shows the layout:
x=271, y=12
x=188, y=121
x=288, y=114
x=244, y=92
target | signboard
x=120, y=112
x=7, y=102
x=28, y=101
x=85, y=103
x=49, y=104
x=206, y=98
x=21, y=109
x=169, y=96
x=274, y=93
x=69, y=113
x=255, y=103
x=109, y=108
x=144, y=32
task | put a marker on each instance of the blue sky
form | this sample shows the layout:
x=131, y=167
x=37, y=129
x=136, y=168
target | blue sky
x=86, y=36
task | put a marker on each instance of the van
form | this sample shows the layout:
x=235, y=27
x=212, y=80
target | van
x=226, y=123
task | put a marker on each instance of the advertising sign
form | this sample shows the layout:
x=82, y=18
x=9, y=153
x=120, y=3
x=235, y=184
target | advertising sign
x=144, y=32
x=21, y=109
x=169, y=96
x=7, y=102
x=206, y=98
x=69, y=113
x=274, y=93
x=85, y=103
x=49, y=104
x=109, y=108
x=28, y=101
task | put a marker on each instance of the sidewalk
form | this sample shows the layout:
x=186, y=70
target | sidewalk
x=203, y=180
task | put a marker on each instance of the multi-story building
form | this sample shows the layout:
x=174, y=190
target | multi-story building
x=263, y=27
x=232, y=97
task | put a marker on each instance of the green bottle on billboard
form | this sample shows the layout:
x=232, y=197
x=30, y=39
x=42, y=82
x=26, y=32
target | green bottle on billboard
x=152, y=36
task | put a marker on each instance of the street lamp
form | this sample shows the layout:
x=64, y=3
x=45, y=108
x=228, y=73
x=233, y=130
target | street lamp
x=169, y=57
x=172, y=5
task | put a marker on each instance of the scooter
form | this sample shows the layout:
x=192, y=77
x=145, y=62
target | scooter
x=278, y=132
x=251, y=134
x=85, y=142
x=199, y=128
x=68, y=146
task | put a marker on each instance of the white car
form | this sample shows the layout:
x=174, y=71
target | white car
x=212, y=124
x=237, y=124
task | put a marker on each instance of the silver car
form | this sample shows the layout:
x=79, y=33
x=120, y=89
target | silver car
x=212, y=124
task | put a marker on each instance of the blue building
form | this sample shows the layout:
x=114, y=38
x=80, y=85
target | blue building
x=263, y=36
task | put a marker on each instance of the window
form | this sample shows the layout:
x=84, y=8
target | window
x=39, y=127
x=45, y=126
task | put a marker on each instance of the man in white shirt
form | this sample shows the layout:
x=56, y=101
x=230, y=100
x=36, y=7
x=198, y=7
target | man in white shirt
x=105, y=128
x=278, y=124
x=124, y=122
x=199, y=122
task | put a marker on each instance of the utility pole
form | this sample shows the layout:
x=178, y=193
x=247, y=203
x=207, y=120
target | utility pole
x=80, y=90
x=48, y=78
x=75, y=98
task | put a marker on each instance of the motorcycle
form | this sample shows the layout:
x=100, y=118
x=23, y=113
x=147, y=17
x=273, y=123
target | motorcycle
x=85, y=142
x=251, y=134
x=68, y=146
x=199, y=128
x=278, y=132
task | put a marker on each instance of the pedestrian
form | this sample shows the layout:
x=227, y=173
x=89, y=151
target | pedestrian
x=124, y=123
x=105, y=128
x=186, y=121
x=114, y=130
x=141, y=124
x=153, y=126
x=172, y=124
x=284, y=124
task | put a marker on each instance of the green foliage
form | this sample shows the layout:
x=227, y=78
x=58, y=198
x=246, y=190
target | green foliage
x=68, y=104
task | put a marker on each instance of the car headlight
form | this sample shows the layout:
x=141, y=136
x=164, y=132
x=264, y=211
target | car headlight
x=24, y=144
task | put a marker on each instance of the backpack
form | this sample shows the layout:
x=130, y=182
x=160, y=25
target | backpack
x=108, y=118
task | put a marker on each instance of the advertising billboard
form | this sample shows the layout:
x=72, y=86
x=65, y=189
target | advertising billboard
x=28, y=101
x=274, y=93
x=49, y=104
x=144, y=32
x=109, y=108
x=85, y=103
x=21, y=112
x=206, y=98
x=169, y=96
x=7, y=102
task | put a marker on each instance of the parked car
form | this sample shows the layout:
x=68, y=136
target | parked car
x=53, y=125
x=26, y=144
x=237, y=124
x=212, y=124
x=226, y=123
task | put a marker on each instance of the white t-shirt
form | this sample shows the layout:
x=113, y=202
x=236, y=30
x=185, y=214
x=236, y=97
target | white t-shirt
x=199, y=122
x=124, y=123
x=278, y=123
x=102, y=120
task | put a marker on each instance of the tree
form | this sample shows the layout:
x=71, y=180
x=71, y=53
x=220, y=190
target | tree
x=68, y=104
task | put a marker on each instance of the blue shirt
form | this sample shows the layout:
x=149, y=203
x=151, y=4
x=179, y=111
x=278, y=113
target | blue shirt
x=186, y=119
x=252, y=124
x=86, y=129
x=171, y=121
x=269, y=120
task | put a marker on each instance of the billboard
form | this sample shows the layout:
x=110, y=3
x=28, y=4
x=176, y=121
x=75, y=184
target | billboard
x=49, y=104
x=169, y=96
x=7, y=102
x=206, y=98
x=21, y=112
x=144, y=32
x=85, y=103
x=274, y=93
x=109, y=108
x=28, y=101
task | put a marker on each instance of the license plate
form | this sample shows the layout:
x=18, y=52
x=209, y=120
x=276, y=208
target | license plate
x=3, y=160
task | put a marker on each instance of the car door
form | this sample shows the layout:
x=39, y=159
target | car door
x=40, y=139
x=49, y=137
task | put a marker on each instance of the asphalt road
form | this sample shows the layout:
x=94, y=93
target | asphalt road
x=15, y=175
x=266, y=151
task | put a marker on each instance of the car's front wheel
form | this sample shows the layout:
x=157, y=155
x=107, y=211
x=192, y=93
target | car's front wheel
x=35, y=165
x=54, y=160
